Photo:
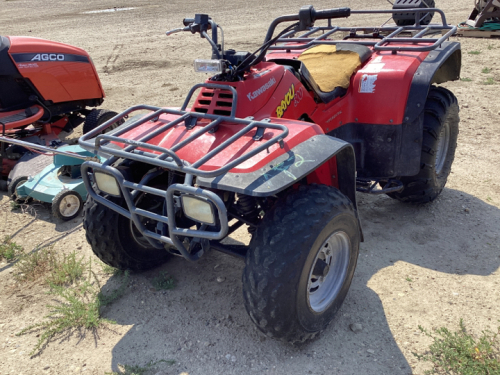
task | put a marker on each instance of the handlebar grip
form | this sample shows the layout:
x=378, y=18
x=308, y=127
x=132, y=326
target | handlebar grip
x=331, y=13
x=187, y=21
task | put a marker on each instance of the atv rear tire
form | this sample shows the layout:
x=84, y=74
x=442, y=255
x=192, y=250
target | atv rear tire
x=66, y=205
x=97, y=117
x=438, y=148
x=111, y=238
x=293, y=285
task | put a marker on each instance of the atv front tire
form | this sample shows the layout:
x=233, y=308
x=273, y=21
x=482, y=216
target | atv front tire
x=116, y=241
x=96, y=118
x=301, y=262
x=438, y=149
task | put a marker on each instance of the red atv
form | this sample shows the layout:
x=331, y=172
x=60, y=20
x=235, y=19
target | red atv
x=279, y=140
x=46, y=89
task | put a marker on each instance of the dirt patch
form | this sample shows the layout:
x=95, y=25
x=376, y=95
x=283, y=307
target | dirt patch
x=428, y=266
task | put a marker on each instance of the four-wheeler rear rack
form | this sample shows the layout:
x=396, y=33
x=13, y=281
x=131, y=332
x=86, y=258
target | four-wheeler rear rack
x=391, y=37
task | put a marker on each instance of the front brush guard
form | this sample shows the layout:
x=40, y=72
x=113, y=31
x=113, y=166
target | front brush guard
x=130, y=190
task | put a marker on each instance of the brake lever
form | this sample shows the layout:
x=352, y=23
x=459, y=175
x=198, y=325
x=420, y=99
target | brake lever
x=178, y=30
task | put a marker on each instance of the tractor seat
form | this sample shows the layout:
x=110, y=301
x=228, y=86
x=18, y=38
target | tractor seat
x=327, y=69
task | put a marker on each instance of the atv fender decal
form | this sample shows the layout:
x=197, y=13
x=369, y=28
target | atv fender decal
x=280, y=111
x=367, y=83
x=290, y=167
x=298, y=96
x=48, y=57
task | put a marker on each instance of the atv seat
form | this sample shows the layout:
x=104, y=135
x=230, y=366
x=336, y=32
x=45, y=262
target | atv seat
x=21, y=117
x=327, y=69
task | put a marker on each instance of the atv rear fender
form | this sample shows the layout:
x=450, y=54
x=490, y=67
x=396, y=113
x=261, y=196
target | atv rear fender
x=441, y=65
x=321, y=158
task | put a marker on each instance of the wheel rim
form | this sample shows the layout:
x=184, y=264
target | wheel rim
x=442, y=147
x=329, y=271
x=69, y=205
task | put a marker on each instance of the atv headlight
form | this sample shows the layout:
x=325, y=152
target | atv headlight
x=208, y=66
x=198, y=209
x=107, y=183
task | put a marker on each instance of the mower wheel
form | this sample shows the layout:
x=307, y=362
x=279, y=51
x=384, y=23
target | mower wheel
x=14, y=184
x=438, y=148
x=115, y=239
x=97, y=117
x=29, y=164
x=293, y=285
x=66, y=205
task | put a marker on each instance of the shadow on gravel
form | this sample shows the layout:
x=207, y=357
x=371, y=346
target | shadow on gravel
x=202, y=323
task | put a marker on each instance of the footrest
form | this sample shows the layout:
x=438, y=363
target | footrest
x=21, y=117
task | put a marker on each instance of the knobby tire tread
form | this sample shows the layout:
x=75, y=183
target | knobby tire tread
x=291, y=222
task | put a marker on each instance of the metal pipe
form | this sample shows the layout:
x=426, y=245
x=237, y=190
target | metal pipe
x=44, y=148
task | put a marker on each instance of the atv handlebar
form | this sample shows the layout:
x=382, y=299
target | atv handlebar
x=306, y=17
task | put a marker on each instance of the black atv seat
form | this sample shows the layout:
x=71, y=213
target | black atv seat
x=327, y=69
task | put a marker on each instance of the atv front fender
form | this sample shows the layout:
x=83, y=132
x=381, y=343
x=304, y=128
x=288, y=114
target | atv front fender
x=291, y=167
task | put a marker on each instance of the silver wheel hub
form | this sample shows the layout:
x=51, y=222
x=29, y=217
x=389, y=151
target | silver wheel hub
x=69, y=205
x=329, y=271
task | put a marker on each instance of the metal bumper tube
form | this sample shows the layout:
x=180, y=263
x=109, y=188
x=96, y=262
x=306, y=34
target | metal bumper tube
x=133, y=213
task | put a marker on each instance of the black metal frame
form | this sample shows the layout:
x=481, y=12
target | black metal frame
x=391, y=42
x=168, y=159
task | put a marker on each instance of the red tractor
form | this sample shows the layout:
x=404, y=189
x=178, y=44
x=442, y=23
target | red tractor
x=279, y=140
x=46, y=90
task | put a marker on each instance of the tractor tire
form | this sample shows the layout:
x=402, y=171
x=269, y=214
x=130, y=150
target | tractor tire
x=293, y=285
x=97, y=117
x=438, y=149
x=112, y=239
x=66, y=205
x=30, y=164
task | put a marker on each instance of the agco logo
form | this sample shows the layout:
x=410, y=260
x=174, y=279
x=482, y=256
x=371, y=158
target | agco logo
x=48, y=57
x=280, y=111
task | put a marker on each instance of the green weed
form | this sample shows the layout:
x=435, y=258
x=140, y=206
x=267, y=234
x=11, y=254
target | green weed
x=474, y=52
x=163, y=282
x=489, y=81
x=78, y=309
x=486, y=70
x=14, y=206
x=57, y=270
x=66, y=270
x=465, y=79
x=35, y=264
x=460, y=353
x=9, y=250
x=490, y=47
x=410, y=280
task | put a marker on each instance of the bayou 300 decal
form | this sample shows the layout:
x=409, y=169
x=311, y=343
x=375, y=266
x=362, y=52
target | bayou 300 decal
x=280, y=111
